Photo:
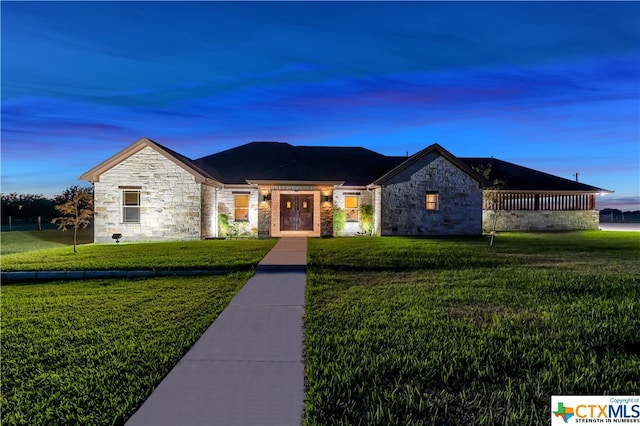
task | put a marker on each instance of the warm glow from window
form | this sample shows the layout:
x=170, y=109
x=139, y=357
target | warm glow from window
x=351, y=207
x=131, y=206
x=241, y=208
x=432, y=201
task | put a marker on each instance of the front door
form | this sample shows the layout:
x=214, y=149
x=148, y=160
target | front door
x=296, y=212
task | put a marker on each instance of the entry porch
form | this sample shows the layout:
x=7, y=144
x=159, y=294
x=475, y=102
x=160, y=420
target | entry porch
x=295, y=209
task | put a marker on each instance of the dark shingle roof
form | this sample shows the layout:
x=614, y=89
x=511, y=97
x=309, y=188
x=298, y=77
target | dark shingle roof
x=282, y=161
x=519, y=178
x=355, y=166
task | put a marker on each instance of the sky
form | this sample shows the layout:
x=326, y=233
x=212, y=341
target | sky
x=554, y=86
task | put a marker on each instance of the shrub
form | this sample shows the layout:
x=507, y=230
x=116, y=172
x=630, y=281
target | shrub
x=366, y=218
x=339, y=220
x=223, y=225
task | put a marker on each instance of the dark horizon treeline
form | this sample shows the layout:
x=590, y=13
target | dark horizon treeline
x=616, y=215
x=26, y=208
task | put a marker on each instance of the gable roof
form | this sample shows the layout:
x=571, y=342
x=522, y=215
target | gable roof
x=420, y=155
x=280, y=161
x=352, y=166
x=187, y=164
x=519, y=178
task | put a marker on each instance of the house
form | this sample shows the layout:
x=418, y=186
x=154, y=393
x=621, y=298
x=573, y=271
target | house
x=149, y=192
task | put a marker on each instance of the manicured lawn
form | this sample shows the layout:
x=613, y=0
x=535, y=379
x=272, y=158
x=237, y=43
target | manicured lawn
x=91, y=352
x=214, y=254
x=449, y=331
x=28, y=240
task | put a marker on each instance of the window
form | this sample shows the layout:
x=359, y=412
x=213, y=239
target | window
x=432, y=201
x=241, y=208
x=131, y=206
x=351, y=207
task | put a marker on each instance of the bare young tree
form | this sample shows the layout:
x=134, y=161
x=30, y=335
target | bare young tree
x=76, y=207
x=492, y=197
x=492, y=200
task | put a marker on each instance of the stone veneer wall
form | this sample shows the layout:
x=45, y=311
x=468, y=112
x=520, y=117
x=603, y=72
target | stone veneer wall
x=403, y=201
x=364, y=197
x=209, y=227
x=542, y=220
x=377, y=211
x=264, y=215
x=226, y=205
x=169, y=200
x=326, y=218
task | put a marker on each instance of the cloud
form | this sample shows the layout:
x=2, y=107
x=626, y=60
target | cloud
x=204, y=76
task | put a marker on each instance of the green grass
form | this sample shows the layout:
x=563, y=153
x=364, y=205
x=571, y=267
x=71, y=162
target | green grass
x=91, y=352
x=214, y=254
x=27, y=240
x=449, y=331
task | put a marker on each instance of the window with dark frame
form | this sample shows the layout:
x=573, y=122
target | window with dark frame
x=241, y=208
x=432, y=201
x=131, y=206
x=351, y=207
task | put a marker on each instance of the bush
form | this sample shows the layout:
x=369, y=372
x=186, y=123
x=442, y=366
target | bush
x=366, y=218
x=339, y=220
x=223, y=225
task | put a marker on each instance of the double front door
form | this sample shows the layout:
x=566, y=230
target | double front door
x=296, y=212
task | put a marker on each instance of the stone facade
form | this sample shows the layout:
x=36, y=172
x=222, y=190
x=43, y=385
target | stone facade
x=264, y=214
x=209, y=226
x=542, y=220
x=226, y=206
x=403, y=200
x=170, y=200
x=364, y=197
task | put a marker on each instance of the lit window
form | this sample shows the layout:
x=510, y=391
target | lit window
x=432, y=201
x=131, y=206
x=241, y=208
x=351, y=207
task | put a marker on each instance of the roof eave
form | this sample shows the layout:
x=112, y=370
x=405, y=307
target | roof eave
x=295, y=182
x=552, y=191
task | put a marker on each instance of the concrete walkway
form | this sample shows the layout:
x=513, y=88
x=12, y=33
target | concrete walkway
x=247, y=368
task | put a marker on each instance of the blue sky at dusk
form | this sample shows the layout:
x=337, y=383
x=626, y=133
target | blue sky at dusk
x=553, y=86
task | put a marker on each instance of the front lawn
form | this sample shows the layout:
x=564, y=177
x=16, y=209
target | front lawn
x=18, y=241
x=214, y=254
x=91, y=352
x=449, y=331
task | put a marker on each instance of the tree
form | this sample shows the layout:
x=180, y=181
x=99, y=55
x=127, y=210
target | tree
x=493, y=203
x=76, y=207
x=27, y=207
x=491, y=197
